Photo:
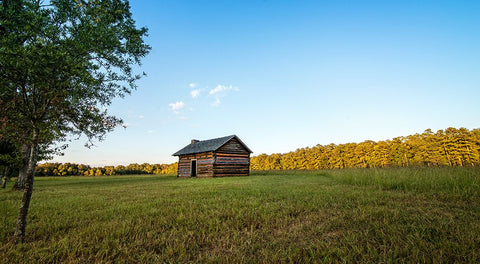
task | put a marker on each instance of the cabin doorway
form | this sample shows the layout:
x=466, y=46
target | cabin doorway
x=194, y=168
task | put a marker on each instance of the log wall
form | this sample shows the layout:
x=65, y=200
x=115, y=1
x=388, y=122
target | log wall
x=233, y=147
x=231, y=165
x=204, y=165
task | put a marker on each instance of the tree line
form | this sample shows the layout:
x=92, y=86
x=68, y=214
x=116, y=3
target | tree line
x=72, y=169
x=449, y=147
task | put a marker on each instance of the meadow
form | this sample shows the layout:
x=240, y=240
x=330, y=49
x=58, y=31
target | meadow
x=348, y=215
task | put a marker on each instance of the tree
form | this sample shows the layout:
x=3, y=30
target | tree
x=61, y=64
x=22, y=170
x=9, y=161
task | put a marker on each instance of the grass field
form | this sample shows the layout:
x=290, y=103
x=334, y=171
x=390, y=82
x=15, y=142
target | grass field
x=369, y=215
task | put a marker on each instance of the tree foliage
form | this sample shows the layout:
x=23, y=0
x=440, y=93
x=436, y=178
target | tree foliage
x=449, y=147
x=62, y=62
x=9, y=161
x=72, y=169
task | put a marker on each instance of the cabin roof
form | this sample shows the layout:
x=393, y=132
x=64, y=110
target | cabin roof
x=208, y=145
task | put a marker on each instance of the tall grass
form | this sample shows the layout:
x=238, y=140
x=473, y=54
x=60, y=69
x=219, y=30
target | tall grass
x=280, y=217
x=451, y=180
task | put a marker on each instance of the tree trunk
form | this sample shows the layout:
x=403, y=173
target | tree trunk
x=5, y=176
x=27, y=194
x=22, y=173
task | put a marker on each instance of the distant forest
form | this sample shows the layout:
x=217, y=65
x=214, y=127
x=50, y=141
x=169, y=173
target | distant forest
x=449, y=147
x=71, y=169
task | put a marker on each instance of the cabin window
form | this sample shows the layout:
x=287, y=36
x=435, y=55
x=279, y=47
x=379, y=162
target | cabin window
x=194, y=168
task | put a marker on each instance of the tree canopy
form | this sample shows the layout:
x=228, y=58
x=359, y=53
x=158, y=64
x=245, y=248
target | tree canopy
x=72, y=169
x=63, y=61
x=449, y=147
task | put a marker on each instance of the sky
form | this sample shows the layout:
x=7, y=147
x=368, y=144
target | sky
x=283, y=75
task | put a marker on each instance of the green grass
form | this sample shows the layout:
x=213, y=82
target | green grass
x=370, y=215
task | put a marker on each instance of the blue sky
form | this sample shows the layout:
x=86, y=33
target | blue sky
x=288, y=74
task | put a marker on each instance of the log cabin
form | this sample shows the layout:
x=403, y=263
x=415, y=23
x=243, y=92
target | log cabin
x=218, y=157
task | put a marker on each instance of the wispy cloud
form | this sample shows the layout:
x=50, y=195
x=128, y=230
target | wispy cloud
x=141, y=117
x=195, y=93
x=222, y=88
x=221, y=91
x=177, y=106
x=192, y=85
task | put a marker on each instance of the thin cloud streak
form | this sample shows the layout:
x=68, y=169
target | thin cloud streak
x=221, y=91
x=177, y=106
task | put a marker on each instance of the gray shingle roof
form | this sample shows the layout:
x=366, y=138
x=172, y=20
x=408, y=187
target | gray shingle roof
x=207, y=145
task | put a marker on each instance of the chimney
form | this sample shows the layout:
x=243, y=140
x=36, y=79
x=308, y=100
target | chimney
x=194, y=141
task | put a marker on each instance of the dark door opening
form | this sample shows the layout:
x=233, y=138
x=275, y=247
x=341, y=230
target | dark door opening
x=194, y=168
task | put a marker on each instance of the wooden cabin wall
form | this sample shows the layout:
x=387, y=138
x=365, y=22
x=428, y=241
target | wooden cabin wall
x=231, y=164
x=232, y=159
x=204, y=165
x=233, y=147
